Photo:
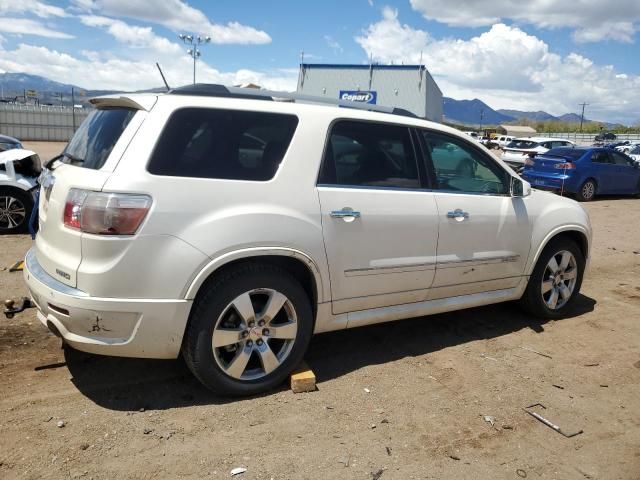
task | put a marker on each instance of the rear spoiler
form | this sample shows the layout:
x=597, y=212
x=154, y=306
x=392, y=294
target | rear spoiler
x=137, y=102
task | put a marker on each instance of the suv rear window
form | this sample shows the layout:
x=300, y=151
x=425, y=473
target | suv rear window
x=93, y=141
x=223, y=144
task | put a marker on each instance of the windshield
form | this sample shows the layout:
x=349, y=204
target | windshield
x=93, y=141
x=635, y=151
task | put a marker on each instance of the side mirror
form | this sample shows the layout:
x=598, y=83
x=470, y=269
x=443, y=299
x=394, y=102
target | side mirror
x=520, y=188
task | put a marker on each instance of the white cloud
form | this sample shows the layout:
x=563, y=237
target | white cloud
x=389, y=39
x=507, y=68
x=24, y=26
x=41, y=9
x=333, y=44
x=178, y=16
x=98, y=71
x=593, y=20
x=131, y=35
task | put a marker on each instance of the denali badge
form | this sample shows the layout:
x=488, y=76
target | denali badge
x=63, y=274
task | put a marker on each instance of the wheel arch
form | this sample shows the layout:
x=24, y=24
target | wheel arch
x=299, y=264
x=576, y=233
x=8, y=184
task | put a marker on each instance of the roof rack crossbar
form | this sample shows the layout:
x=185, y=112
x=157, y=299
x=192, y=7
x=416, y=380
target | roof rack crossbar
x=214, y=90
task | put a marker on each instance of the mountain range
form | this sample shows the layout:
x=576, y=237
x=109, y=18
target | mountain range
x=466, y=112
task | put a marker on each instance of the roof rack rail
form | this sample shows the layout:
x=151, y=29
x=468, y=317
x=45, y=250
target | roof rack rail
x=216, y=90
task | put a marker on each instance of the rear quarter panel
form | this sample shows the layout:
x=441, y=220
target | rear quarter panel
x=218, y=217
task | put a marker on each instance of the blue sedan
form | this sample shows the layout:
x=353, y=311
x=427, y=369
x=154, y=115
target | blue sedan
x=584, y=172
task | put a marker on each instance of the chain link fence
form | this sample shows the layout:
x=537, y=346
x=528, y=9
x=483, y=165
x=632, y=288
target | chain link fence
x=40, y=123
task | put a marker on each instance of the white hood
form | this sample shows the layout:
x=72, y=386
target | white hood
x=14, y=155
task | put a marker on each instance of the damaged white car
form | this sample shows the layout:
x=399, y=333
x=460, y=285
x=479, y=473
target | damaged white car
x=19, y=171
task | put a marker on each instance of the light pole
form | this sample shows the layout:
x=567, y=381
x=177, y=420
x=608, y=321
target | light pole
x=195, y=42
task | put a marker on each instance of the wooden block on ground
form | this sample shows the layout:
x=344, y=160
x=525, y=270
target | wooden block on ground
x=17, y=267
x=303, y=379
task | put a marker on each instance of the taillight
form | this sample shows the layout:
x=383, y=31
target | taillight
x=104, y=213
x=565, y=166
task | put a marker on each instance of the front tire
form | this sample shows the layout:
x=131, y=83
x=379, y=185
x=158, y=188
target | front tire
x=555, y=282
x=248, y=330
x=15, y=210
x=587, y=191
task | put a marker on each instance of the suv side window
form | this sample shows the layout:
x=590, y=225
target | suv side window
x=369, y=154
x=460, y=167
x=222, y=144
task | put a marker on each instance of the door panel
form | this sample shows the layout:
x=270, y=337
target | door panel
x=491, y=243
x=387, y=255
x=626, y=175
x=604, y=171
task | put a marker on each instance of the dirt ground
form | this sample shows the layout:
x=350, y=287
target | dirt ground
x=405, y=400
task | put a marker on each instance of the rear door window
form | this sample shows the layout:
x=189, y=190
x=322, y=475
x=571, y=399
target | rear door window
x=223, y=144
x=365, y=154
x=98, y=134
x=600, y=157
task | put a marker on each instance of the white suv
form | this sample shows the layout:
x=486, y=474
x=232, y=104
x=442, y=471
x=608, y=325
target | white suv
x=230, y=226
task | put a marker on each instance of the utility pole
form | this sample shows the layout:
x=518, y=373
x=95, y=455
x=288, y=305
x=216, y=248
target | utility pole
x=481, y=118
x=194, y=52
x=582, y=116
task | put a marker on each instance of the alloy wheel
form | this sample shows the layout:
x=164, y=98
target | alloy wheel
x=559, y=280
x=254, y=334
x=12, y=213
x=588, y=190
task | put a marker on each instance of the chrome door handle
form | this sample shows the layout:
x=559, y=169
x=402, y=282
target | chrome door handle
x=458, y=214
x=345, y=213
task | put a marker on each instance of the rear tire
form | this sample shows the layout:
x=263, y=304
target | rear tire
x=15, y=210
x=587, y=191
x=555, y=282
x=248, y=329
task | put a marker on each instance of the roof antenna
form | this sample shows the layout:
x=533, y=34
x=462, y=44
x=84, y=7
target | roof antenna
x=420, y=71
x=162, y=75
x=302, y=70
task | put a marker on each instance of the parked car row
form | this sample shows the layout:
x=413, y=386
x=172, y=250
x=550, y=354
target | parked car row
x=584, y=172
x=518, y=151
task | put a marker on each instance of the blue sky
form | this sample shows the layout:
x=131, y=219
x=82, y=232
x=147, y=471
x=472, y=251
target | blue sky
x=538, y=55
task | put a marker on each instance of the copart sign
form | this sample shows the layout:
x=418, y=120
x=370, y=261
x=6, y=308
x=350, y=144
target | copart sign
x=359, y=96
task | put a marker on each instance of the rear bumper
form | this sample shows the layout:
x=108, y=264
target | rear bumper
x=550, y=181
x=145, y=328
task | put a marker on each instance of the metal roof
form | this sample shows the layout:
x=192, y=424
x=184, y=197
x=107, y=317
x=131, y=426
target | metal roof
x=359, y=66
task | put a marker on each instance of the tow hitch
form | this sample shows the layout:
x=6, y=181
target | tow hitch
x=10, y=308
